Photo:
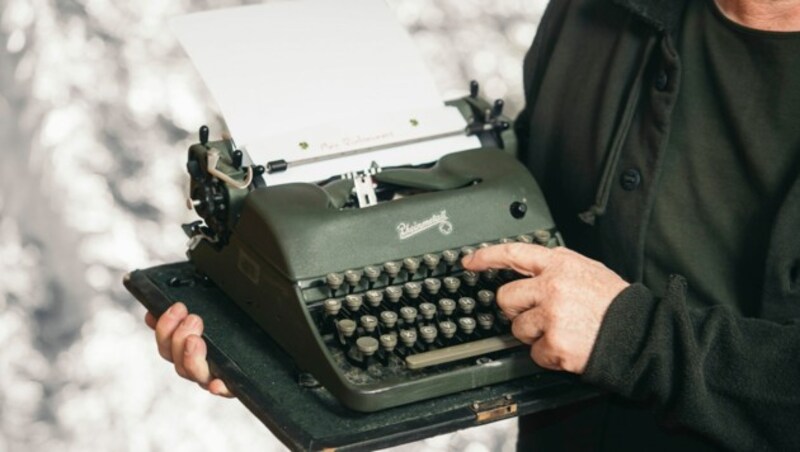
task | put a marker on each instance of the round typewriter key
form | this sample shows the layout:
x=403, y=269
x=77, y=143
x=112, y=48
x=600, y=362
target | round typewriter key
x=408, y=337
x=412, y=289
x=332, y=306
x=428, y=333
x=411, y=264
x=467, y=250
x=353, y=302
x=489, y=274
x=484, y=245
x=502, y=318
x=450, y=256
x=367, y=345
x=388, y=318
x=353, y=277
x=393, y=293
x=466, y=324
x=525, y=238
x=372, y=273
x=391, y=268
x=451, y=284
x=428, y=310
x=485, y=297
x=505, y=240
x=470, y=278
x=447, y=328
x=542, y=236
x=334, y=280
x=466, y=304
x=431, y=261
x=374, y=298
x=368, y=322
x=485, y=320
x=347, y=327
x=432, y=285
x=388, y=341
x=408, y=314
x=447, y=306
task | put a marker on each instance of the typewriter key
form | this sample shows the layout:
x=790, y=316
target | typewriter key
x=470, y=278
x=353, y=277
x=525, y=238
x=489, y=274
x=502, y=318
x=367, y=345
x=372, y=273
x=451, y=284
x=447, y=306
x=505, y=240
x=392, y=269
x=466, y=304
x=484, y=245
x=334, y=281
x=428, y=333
x=431, y=261
x=466, y=324
x=388, y=341
x=374, y=298
x=411, y=264
x=485, y=320
x=393, y=293
x=542, y=236
x=428, y=310
x=467, y=250
x=332, y=306
x=354, y=302
x=408, y=313
x=368, y=322
x=450, y=257
x=412, y=289
x=347, y=327
x=432, y=285
x=408, y=337
x=485, y=297
x=388, y=319
x=448, y=329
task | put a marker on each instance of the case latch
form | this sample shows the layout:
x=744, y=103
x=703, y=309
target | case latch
x=494, y=410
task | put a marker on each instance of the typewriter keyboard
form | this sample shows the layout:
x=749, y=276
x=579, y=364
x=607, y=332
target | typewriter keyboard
x=416, y=315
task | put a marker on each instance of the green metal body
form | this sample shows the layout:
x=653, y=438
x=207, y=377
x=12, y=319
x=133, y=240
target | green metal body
x=285, y=239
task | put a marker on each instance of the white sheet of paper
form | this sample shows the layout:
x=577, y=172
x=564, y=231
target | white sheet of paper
x=289, y=67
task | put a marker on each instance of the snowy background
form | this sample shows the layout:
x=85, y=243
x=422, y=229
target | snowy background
x=97, y=107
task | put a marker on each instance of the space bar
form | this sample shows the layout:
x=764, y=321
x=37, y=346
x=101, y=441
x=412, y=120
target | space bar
x=461, y=351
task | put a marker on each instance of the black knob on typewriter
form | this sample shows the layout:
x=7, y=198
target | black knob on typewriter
x=474, y=87
x=497, y=108
x=203, y=135
x=518, y=209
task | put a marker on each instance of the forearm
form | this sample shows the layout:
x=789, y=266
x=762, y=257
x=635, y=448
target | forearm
x=729, y=378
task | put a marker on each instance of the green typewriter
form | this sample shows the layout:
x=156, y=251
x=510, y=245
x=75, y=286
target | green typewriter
x=358, y=277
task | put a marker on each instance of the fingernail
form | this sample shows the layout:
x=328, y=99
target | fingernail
x=192, y=321
x=467, y=259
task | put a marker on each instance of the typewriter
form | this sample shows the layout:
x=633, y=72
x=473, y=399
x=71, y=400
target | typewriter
x=358, y=277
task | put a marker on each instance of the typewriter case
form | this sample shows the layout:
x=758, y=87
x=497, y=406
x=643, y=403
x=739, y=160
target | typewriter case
x=262, y=257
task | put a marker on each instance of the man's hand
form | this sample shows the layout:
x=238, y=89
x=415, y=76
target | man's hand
x=179, y=342
x=560, y=308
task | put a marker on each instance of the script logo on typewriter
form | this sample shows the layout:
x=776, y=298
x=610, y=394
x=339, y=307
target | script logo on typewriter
x=405, y=230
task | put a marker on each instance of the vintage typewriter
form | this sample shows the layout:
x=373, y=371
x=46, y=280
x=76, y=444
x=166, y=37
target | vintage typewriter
x=358, y=277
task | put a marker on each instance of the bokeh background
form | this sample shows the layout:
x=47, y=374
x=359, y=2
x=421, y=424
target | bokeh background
x=97, y=107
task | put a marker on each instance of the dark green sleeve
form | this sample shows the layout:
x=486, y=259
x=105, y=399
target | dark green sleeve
x=735, y=380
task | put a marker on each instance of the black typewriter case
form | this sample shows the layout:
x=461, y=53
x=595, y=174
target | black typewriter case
x=304, y=417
